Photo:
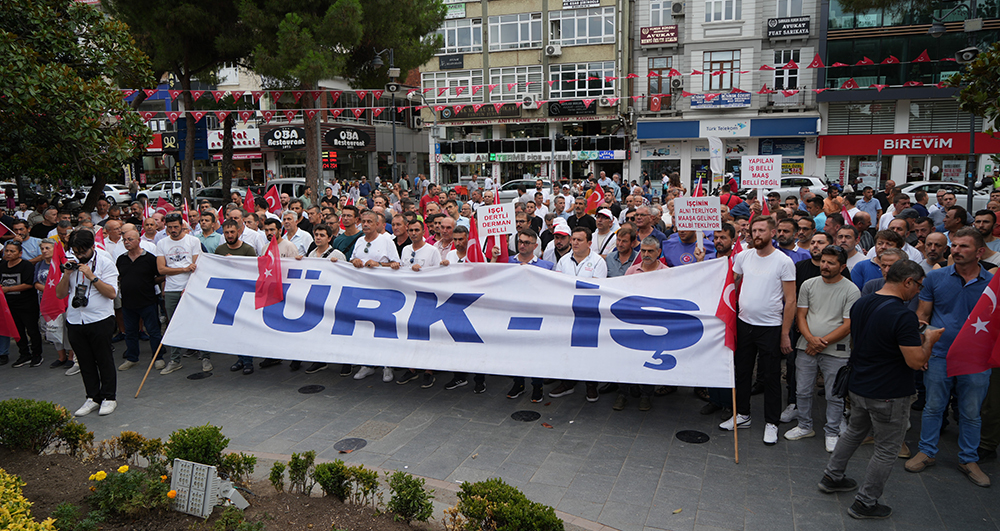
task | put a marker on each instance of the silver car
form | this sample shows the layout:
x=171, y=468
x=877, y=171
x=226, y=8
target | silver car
x=790, y=185
x=508, y=190
x=979, y=198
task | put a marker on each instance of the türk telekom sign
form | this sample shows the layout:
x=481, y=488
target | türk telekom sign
x=906, y=144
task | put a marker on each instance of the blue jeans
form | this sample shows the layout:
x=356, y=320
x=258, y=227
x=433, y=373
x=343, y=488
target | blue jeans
x=149, y=316
x=4, y=345
x=971, y=390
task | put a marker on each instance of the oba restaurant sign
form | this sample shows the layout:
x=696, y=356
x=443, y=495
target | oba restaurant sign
x=348, y=138
x=284, y=138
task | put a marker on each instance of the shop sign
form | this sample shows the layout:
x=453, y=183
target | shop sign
x=329, y=160
x=735, y=148
x=486, y=111
x=169, y=142
x=787, y=27
x=451, y=62
x=657, y=35
x=906, y=144
x=531, y=120
x=721, y=101
x=156, y=144
x=724, y=128
x=953, y=171
x=242, y=139
x=615, y=154
x=454, y=11
x=571, y=108
x=348, y=139
x=786, y=147
x=792, y=168
x=576, y=4
x=661, y=151
x=285, y=138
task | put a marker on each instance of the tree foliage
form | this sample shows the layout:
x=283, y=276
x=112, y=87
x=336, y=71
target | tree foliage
x=980, y=82
x=406, y=26
x=59, y=115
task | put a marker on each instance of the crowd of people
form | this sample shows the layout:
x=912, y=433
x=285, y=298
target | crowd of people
x=821, y=282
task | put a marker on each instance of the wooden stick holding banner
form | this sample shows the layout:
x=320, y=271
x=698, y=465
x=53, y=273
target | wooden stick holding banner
x=151, y=362
x=736, y=429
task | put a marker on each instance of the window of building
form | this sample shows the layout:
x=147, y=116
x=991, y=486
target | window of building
x=789, y=8
x=582, y=26
x=874, y=118
x=785, y=79
x=229, y=74
x=572, y=80
x=521, y=75
x=660, y=84
x=939, y=116
x=727, y=62
x=452, y=79
x=659, y=13
x=461, y=36
x=723, y=10
x=513, y=32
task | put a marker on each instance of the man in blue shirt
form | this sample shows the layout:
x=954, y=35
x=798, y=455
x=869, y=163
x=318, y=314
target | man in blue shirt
x=365, y=189
x=870, y=269
x=527, y=240
x=623, y=256
x=946, y=300
x=869, y=204
x=679, y=248
x=786, y=242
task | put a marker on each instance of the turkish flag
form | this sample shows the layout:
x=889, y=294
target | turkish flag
x=268, y=289
x=850, y=84
x=98, y=239
x=7, y=326
x=847, y=217
x=185, y=212
x=976, y=347
x=474, y=253
x=595, y=198
x=698, y=190
x=654, y=103
x=52, y=306
x=163, y=207
x=726, y=311
x=248, y=202
x=273, y=200
x=922, y=58
x=817, y=62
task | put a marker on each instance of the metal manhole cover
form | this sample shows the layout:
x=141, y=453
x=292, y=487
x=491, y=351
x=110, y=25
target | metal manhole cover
x=199, y=375
x=526, y=416
x=349, y=445
x=311, y=389
x=692, y=436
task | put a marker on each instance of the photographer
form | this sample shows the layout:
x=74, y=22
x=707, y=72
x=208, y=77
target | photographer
x=90, y=278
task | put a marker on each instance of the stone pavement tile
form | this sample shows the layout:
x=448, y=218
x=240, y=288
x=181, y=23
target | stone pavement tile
x=275, y=445
x=683, y=472
x=955, y=498
x=545, y=494
x=530, y=454
x=817, y=513
x=627, y=422
x=486, y=457
x=395, y=464
x=804, y=481
x=719, y=520
x=669, y=499
x=768, y=513
x=444, y=460
x=722, y=498
x=581, y=508
x=433, y=435
x=558, y=470
x=316, y=444
x=647, y=451
x=515, y=474
x=590, y=487
x=623, y=516
x=310, y=425
x=472, y=475
x=636, y=485
x=576, y=443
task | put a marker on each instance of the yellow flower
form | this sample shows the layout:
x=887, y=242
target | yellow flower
x=172, y=494
x=100, y=475
x=123, y=469
x=92, y=477
x=93, y=488
x=163, y=479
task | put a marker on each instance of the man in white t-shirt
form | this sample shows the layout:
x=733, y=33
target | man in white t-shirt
x=766, y=281
x=175, y=257
x=580, y=263
x=419, y=255
x=460, y=237
x=603, y=241
x=374, y=249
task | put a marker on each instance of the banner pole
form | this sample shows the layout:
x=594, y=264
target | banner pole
x=157, y=353
x=736, y=430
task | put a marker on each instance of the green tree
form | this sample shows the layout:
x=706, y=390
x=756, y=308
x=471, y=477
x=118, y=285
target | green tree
x=190, y=39
x=60, y=117
x=406, y=26
x=980, y=82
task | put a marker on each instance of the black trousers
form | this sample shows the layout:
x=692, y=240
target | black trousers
x=92, y=344
x=26, y=322
x=766, y=340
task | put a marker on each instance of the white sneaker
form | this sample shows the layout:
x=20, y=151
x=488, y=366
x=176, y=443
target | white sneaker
x=742, y=421
x=87, y=408
x=172, y=367
x=365, y=372
x=159, y=365
x=831, y=444
x=107, y=407
x=770, y=434
x=206, y=365
x=797, y=433
x=387, y=375
x=789, y=413
x=127, y=365
x=75, y=369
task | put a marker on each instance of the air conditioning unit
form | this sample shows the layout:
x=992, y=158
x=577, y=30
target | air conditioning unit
x=677, y=9
x=553, y=50
x=530, y=101
x=676, y=83
x=418, y=123
x=604, y=102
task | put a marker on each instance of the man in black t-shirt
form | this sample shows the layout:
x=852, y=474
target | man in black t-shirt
x=17, y=278
x=137, y=278
x=42, y=230
x=887, y=349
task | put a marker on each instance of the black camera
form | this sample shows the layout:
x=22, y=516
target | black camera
x=70, y=266
x=80, y=299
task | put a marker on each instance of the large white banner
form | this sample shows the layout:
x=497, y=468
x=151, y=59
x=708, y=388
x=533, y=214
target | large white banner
x=653, y=328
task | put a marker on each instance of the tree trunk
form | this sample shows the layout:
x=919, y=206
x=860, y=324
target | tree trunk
x=313, y=141
x=187, y=168
x=227, y=154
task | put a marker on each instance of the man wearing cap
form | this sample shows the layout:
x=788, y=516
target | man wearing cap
x=567, y=196
x=559, y=246
x=604, y=239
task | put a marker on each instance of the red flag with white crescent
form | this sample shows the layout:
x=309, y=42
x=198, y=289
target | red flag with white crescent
x=726, y=311
x=268, y=289
x=51, y=306
x=99, y=239
x=185, y=212
x=163, y=207
x=248, y=203
x=976, y=348
x=273, y=200
x=595, y=198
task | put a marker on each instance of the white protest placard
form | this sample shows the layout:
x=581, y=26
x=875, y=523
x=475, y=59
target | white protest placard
x=697, y=213
x=761, y=171
x=495, y=220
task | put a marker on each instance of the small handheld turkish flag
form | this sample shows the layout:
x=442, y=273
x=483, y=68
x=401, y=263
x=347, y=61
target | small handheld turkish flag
x=268, y=289
x=726, y=311
x=7, y=326
x=248, y=202
x=51, y=306
x=273, y=200
x=976, y=347
x=595, y=199
x=163, y=207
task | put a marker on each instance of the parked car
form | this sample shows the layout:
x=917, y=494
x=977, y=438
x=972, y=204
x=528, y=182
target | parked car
x=293, y=186
x=212, y=194
x=117, y=193
x=790, y=185
x=508, y=190
x=979, y=198
x=241, y=186
x=169, y=191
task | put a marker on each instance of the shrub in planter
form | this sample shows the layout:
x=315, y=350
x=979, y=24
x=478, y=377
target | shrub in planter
x=298, y=472
x=31, y=424
x=15, y=510
x=238, y=466
x=495, y=505
x=200, y=444
x=67, y=518
x=75, y=437
x=334, y=478
x=128, y=492
x=277, y=476
x=365, y=483
x=409, y=499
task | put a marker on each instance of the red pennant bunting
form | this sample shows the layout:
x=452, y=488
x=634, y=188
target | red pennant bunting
x=652, y=74
x=290, y=114
x=816, y=63
x=922, y=58
x=361, y=94
x=439, y=108
x=551, y=81
x=442, y=91
x=149, y=92
x=358, y=112
x=476, y=107
x=476, y=88
x=766, y=67
x=850, y=84
x=491, y=87
x=839, y=64
x=593, y=79
x=221, y=115
x=913, y=84
x=377, y=94
x=458, y=108
x=498, y=106
x=195, y=94
x=613, y=101
x=237, y=94
x=820, y=91
x=311, y=113
x=744, y=71
x=197, y=115
x=377, y=111
x=400, y=109
x=426, y=90
x=174, y=93
x=878, y=87
x=518, y=104
x=256, y=95
x=865, y=61
x=674, y=73
x=147, y=116
x=267, y=116
x=315, y=94
x=173, y=116
x=542, y=102
x=609, y=79
x=686, y=94
x=276, y=95
x=697, y=73
x=528, y=83
x=718, y=72
x=297, y=94
x=942, y=84
x=711, y=96
x=334, y=96
x=790, y=65
x=246, y=115
x=510, y=86
x=419, y=108
x=563, y=102
x=411, y=91
x=891, y=60
x=218, y=94
x=737, y=91
x=128, y=92
x=765, y=90
x=459, y=91
x=789, y=93
x=587, y=102
x=631, y=76
x=336, y=112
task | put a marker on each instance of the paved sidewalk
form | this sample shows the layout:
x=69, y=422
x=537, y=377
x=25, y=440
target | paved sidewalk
x=626, y=470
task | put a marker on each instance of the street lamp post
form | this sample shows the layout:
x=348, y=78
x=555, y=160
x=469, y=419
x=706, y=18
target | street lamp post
x=393, y=74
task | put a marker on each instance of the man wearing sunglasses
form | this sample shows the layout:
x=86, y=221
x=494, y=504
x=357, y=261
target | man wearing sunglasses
x=175, y=257
x=417, y=256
